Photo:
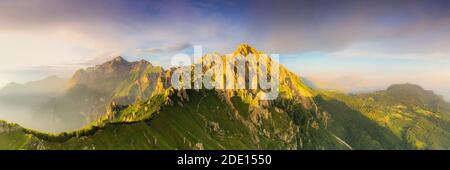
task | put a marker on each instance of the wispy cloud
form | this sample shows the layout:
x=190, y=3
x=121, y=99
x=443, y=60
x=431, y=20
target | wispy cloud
x=396, y=26
x=374, y=54
x=168, y=48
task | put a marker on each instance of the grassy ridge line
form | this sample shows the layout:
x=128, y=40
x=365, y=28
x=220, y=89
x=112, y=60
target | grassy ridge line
x=157, y=102
x=415, y=126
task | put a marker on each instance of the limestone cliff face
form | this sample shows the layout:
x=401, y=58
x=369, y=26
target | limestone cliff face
x=290, y=86
x=294, y=98
x=90, y=91
x=120, y=78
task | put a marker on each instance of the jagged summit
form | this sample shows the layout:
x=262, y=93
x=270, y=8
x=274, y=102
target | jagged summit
x=119, y=59
x=245, y=49
x=143, y=62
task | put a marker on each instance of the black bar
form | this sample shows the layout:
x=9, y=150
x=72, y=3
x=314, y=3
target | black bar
x=169, y=159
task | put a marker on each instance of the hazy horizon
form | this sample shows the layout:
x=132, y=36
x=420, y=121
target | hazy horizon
x=343, y=83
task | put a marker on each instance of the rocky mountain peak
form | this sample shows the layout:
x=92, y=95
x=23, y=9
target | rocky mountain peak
x=244, y=50
x=119, y=59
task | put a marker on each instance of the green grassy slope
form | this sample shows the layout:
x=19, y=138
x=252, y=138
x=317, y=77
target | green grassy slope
x=11, y=136
x=205, y=121
x=383, y=115
x=355, y=128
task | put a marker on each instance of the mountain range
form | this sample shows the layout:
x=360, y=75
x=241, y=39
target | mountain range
x=131, y=105
x=20, y=102
x=15, y=93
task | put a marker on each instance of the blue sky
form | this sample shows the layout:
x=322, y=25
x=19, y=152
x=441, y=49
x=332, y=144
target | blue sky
x=356, y=44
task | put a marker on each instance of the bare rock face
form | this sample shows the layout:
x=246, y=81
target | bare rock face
x=112, y=110
x=245, y=50
x=294, y=98
x=93, y=89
